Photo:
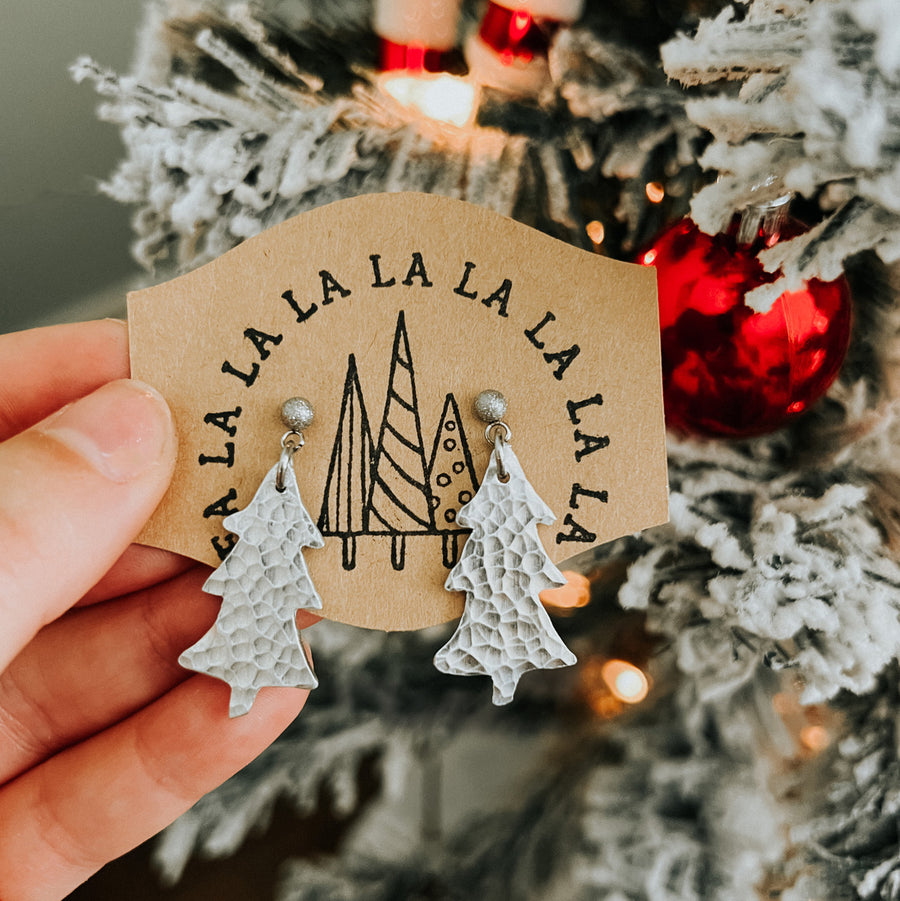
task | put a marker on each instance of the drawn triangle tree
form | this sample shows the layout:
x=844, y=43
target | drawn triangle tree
x=345, y=512
x=504, y=631
x=254, y=641
x=400, y=500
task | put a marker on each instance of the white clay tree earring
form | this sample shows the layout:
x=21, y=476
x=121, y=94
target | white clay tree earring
x=263, y=582
x=505, y=630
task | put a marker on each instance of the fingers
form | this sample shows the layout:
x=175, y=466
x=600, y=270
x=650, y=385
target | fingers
x=63, y=820
x=44, y=368
x=95, y=666
x=74, y=491
x=138, y=568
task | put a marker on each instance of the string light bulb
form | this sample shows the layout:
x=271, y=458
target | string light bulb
x=596, y=232
x=815, y=738
x=655, y=192
x=610, y=686
x=812, y=727
x=443, y=97
x=417, y=42
x=574, y=594
x=627, y=682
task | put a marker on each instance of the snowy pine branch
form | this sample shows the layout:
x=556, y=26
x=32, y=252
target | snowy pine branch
x=818, y=113
x=766, y=562
x=223, y=143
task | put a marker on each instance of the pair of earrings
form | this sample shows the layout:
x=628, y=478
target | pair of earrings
x=504, y=631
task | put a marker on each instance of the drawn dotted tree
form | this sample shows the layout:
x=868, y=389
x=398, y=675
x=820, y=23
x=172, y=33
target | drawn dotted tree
x=452, y=478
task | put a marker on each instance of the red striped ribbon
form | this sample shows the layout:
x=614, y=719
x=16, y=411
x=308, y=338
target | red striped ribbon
x=413, y=58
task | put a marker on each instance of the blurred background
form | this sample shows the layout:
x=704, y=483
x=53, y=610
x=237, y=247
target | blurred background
x=64, y=246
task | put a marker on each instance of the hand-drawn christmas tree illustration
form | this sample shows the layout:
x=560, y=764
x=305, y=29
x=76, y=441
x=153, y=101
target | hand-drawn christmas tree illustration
x=504, y=630
x=345, y=503
x=263, y=582
x=400, y=499
x=452, y=478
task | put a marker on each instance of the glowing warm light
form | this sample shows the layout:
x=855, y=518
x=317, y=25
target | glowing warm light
x=811, y=725
x=815, y=738
x=604, y=704
x=444, y=98
x=448, y=99
x=608, y=686
x=655, y=192
x=595, y=231
x=626, y=682
x=782, y=704
x=400, y=87
x=648, y=258
x=575, y=593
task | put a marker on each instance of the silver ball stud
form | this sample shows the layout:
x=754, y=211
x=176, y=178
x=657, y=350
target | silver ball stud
x=297, y=413
x=490, y=406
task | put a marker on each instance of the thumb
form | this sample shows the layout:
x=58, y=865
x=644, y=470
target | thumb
x=74, y=491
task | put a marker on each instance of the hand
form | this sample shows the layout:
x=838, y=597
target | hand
x=104, y=739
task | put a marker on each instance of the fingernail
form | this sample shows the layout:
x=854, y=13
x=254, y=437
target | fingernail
x=122, y=429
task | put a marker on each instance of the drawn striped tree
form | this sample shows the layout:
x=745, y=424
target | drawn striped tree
x=345, y=511
x=451, y=475
x=400, y=498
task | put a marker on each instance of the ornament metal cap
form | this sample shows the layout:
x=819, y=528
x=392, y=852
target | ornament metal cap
x=764, y=218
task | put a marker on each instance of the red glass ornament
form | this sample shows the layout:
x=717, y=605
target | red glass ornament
x=514, y=34
x=728, y=370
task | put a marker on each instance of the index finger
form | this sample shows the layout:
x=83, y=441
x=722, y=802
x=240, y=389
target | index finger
x=74, y=491
x=43, y=369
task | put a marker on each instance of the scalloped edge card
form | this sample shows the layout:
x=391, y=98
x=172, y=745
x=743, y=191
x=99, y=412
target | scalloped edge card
x=390, y=313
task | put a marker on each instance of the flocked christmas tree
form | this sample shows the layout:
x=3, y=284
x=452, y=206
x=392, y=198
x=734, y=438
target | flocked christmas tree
x=504, y=631
x=778, y=575
x=254, y=641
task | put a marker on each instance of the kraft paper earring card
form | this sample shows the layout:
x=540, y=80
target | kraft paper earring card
x=396, y=310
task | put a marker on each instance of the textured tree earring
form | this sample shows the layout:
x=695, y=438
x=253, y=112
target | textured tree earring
x=504, y=631
x=263, y=582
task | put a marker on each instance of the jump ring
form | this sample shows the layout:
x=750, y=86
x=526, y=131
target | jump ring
x=292, y=439
x=291, y=442
x=499, y=433
x=494, y=427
